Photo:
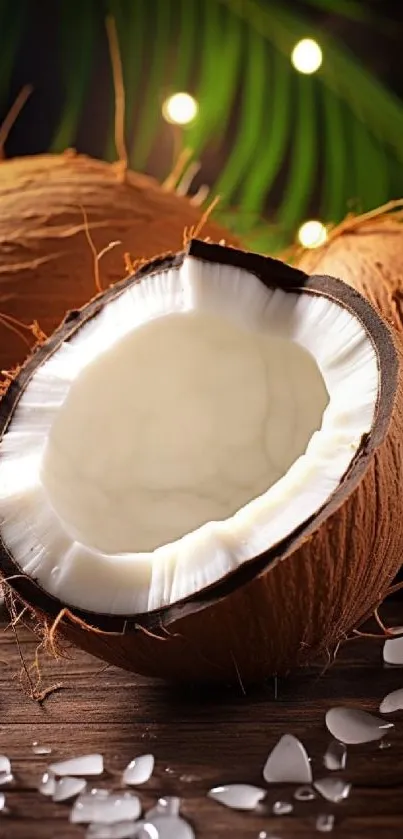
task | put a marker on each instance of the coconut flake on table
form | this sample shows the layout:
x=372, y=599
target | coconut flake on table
x=353, y=727
x=139, y=770
x=2, y=802
x=282, y=808
x=6, y=778
x=168, y=805
x=335, y=756
x=288, y=762
x=166, y=827
x=392, y=702
x=238, y=796
x=47, y=785
x=121, y=830
x=325, y=822
x=68, y=787
x=5, y=765
x=333, y=789
x=109, y=809
x=39, y=749
x=393, y=651
x=83, y=765
x=304, y=794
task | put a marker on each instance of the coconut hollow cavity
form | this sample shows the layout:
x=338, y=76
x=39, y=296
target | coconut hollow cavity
x=179, y=436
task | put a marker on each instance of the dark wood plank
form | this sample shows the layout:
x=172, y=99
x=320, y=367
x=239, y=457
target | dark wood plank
x=200, y=739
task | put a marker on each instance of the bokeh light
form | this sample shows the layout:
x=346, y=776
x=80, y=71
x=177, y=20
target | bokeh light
x=307, y=56
x=180, y=108
x=312, y=234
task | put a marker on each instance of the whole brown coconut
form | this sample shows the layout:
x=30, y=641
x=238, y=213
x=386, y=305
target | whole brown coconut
x=46, y=261
x=367, y=253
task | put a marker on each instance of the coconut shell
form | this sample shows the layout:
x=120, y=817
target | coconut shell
x=297, y=601
x=46, y=263
x=369, y=257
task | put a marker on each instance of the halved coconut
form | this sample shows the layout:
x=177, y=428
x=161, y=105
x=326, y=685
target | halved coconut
x=203, y=466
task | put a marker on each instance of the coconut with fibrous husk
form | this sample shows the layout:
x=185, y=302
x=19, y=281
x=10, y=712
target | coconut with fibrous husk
x=68, y=222
x=367, y=253
x=200, y=470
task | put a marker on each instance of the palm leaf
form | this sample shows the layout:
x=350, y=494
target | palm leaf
x=320, y=136
x=76, y=52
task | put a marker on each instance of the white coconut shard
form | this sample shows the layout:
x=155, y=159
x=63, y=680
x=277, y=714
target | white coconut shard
x=68, y=788
x=238, y=796
x=122, y=830
x=2, y=802
x=288, y=763
x=325, y=822
x=393, y=651
x=5, y=765
x=113, y=490
x=39, y=749
x=392, y=702
x=304, y=794
x=169, y=805
x=6, y=778
x=139, y=770
x=282, y=808
x=86, y=765
x=166, y=827
x=353, y=727
x=110, y=809
x=47, y=784
x=333, y=789
x=335, y=757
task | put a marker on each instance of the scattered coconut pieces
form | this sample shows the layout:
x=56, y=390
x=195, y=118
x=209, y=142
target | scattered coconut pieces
x=169, y=805
x=335, y=757
x=106, y=809
x=288, y=763
x=333, y=789
x=304, y=794
x=139, y=770
x=393, y=651
x=5, y=765
x=47, y=785
x=166, y=827
x=353, y=727
x=68, y=787
x=84, y=765
x=121, y=830
x=325, y=823
x=40, y=750
x=392, y=702
x=238, y=796
x=282, y=808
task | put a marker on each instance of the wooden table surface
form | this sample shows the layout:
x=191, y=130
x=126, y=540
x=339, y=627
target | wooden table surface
x=200, y=741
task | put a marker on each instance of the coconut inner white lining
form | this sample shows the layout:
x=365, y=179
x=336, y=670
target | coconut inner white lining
x=195, y=422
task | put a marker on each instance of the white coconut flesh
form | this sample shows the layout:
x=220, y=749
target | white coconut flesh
x=191, y=425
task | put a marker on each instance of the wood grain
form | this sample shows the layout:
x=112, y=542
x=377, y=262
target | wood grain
x=200, y=740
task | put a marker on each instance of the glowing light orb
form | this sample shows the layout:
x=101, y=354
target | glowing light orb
x=312, y=234
x=307, y=56
x=180, y=109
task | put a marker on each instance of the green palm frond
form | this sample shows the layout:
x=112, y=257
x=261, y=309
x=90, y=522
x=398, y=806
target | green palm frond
x=292, y=145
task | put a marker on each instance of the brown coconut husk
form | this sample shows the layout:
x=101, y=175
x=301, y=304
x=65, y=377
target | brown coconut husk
x=367, y=253
x=61, y=216
x=300, y=599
